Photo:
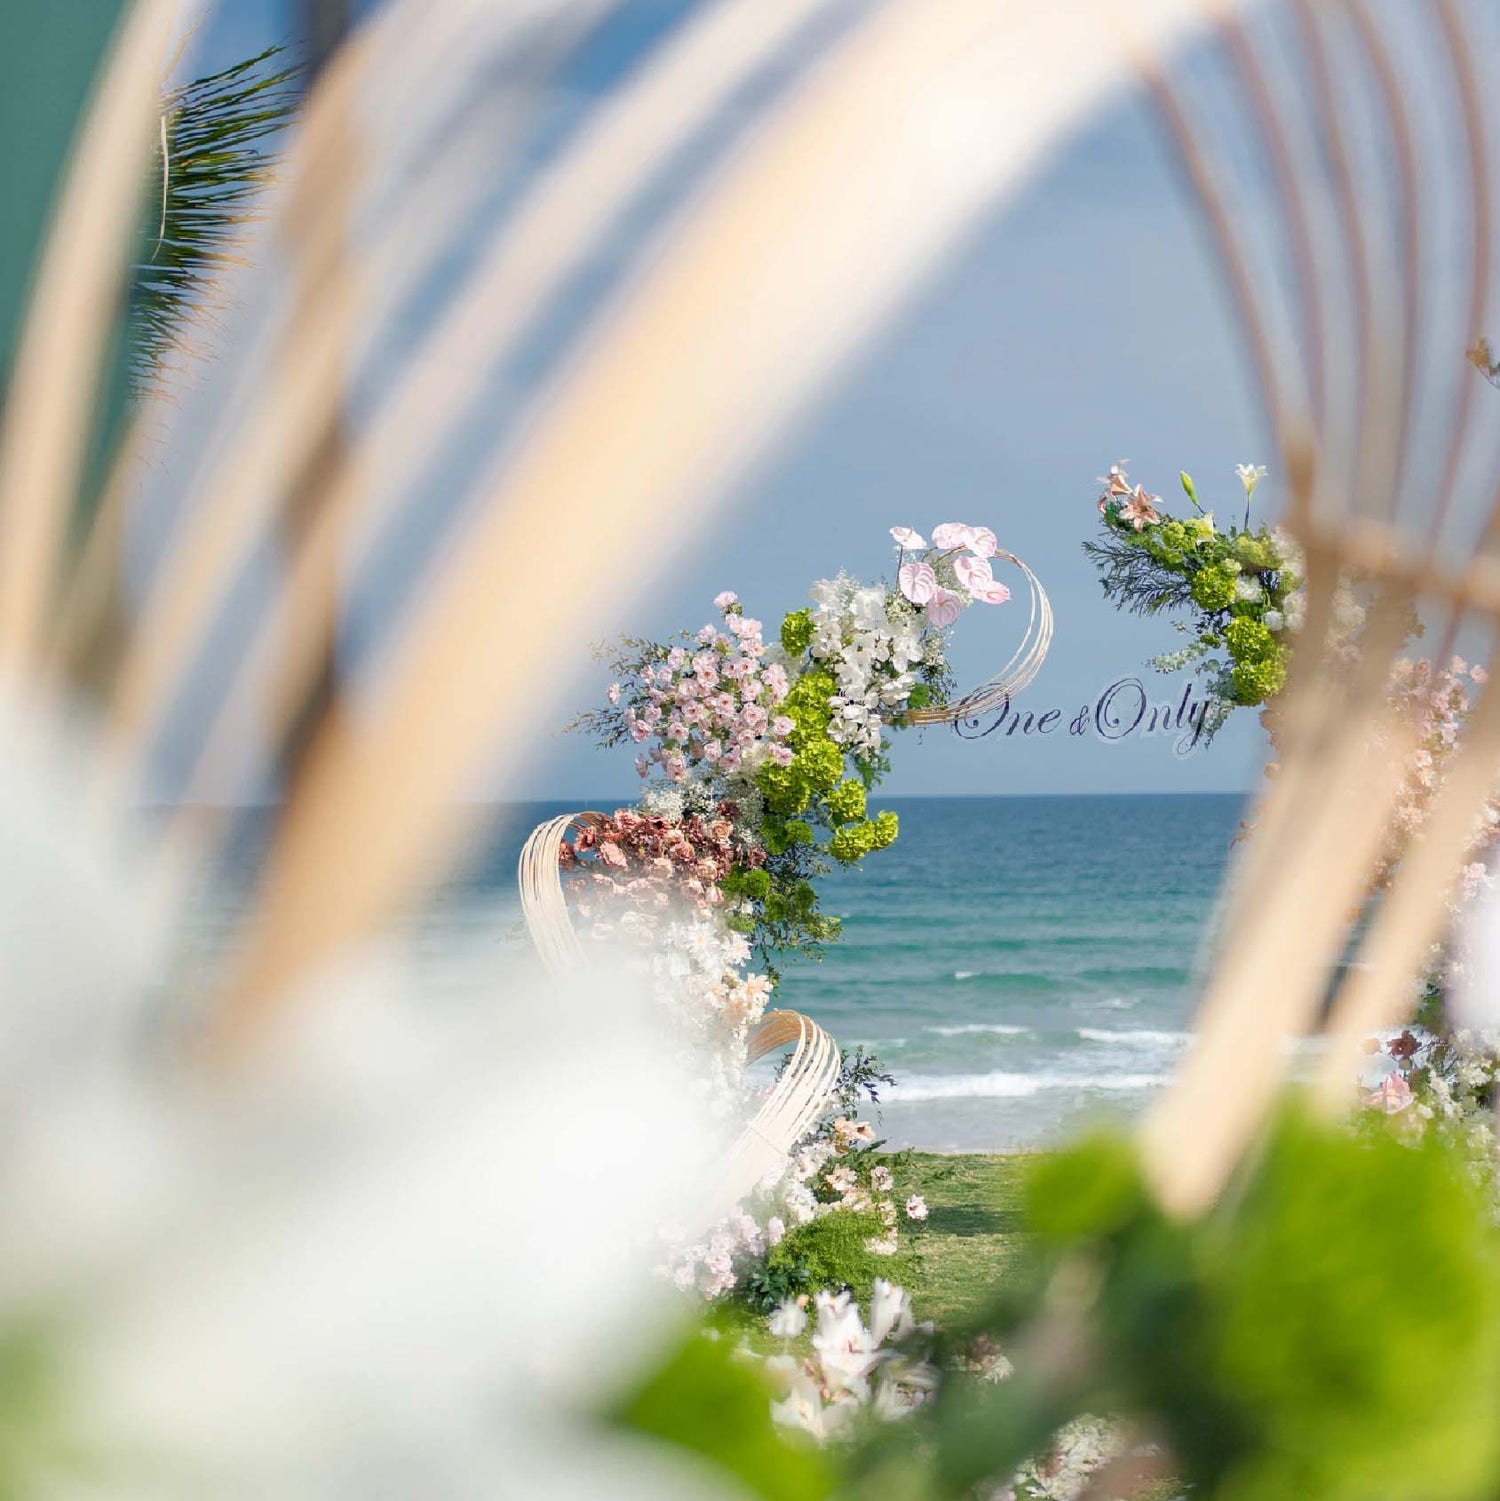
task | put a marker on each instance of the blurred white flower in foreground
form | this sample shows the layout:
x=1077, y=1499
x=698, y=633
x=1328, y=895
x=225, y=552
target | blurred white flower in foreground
x=390, y=1255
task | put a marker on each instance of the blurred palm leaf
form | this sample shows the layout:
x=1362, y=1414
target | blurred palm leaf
x=212, y=159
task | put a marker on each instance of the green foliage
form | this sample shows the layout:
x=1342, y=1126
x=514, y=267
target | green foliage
x=1331, y=1331
x=215, y=161
x=832, y=1252
x=1233, y=587
x=712, y=1404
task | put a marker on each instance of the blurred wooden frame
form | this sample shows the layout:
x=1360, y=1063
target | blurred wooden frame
x=956, y=99
x=1377, y=505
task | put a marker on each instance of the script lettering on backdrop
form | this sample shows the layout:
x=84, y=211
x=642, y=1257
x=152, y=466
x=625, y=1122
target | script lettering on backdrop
x=1122, y=709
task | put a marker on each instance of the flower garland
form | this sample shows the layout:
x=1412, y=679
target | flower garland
x=769, y=751
x=757, y=760
x=1244, y=589
x=1240, y=587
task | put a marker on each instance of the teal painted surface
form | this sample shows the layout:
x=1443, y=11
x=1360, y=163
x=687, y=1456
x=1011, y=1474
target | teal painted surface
x=50, y=51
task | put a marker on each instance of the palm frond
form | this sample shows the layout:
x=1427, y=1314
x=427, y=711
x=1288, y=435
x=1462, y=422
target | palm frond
x=211, y=160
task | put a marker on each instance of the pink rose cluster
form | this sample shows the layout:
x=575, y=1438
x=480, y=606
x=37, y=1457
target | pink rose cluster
x=652, y=863
x=1438, y=701
x=714, y=704
x=953, y=572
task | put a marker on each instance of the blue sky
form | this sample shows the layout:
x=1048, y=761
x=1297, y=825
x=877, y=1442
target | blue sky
x=1085, y=324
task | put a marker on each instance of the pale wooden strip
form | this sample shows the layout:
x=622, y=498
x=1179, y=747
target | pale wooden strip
x=46, y=422
x=529, y=257
x=955, y=98
x=1267, y=985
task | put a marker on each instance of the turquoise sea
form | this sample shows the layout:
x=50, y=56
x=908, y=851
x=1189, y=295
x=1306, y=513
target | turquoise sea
x=1018, y=963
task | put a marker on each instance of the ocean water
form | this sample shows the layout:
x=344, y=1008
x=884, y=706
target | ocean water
x=1019, y=964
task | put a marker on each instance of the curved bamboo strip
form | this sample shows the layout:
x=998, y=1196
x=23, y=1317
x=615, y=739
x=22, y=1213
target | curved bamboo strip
x=800, y=1092
x=1024, y=664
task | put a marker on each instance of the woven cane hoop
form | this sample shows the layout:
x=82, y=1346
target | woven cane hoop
x=798, y=1097
x=1024, y=664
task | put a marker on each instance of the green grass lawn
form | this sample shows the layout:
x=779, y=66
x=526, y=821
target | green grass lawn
x=974, y=1240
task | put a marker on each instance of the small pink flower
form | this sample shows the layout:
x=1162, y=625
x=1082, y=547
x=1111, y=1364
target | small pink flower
x=612, y=854
x=775, y=1229
x=991, y=594
x=712, y=750
x=776, y=682
x=982, y=541
x=908, y=539
x=676, y=767
x=782, y=755
x=642, y=766
x=639, y=730
x=973, y=572
x=723, y=601
x=676, y=730
x=675, y=658
x=952, y=534
x=1139, y=510
x=943, y=608
x=918, y=582
x=1392, y=1095
x=782, y=725
x=916, y=1207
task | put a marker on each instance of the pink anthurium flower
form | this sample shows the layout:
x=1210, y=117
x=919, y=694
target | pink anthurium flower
x=952, y=534
x=918, y=582
x=983, y=541
x=908, y=539
x=973, y=573
x=943, y=608
x=991, y=594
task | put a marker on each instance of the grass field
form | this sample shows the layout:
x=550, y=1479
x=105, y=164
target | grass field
x=974, y=1239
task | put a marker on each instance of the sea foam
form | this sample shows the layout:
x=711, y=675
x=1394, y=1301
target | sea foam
x=1002, y=1086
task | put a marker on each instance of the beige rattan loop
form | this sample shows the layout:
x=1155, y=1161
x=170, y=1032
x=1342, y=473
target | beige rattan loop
x=797, y=1098
x=1024, y=664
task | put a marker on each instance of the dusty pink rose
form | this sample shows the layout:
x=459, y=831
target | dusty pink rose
x=943, y=608
x=612, y=854
x=952, y=534
x=908, y=539
x=1392, y=1095
x=973, y=572
x=918, y=582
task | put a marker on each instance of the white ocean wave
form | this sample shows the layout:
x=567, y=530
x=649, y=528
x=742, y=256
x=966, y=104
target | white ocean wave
x=1136, y=1036
x=1007, y=1086
x=1000, y=1029
x=967, y=974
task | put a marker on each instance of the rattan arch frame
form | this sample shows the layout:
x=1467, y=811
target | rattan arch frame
x=800, y=1092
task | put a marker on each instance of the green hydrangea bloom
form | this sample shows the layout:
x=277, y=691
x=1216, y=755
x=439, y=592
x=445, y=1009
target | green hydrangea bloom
x=846, y=803
x=1213, y=588
x=887, y=826
x=784, y=788
x=797, y=632
x=820, y=763
x=1254, y=682
x=1249, y=640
